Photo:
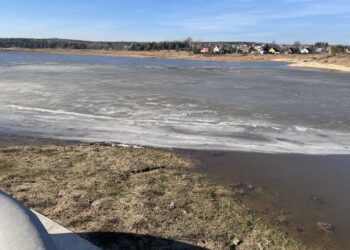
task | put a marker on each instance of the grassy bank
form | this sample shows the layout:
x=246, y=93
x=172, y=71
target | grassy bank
x=339, y=63
x=117, y=196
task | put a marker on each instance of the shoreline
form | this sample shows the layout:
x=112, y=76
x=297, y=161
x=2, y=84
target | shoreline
x=337, y=63
x=69, y=153
x=139, y=196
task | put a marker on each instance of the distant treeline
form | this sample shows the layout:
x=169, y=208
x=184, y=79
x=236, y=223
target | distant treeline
x=76, y=44
x=60, y=44
x=165, y=45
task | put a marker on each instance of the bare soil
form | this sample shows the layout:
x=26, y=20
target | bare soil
x=130, y=198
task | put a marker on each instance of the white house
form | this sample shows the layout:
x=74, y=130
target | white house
x=216, y=50
x=319, y=50
x=304, y=51
x=259, y=49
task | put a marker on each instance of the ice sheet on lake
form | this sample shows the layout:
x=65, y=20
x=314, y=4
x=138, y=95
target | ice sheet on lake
x=261, y=108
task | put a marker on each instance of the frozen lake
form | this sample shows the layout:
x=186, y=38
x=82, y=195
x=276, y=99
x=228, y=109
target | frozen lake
x=259, y=107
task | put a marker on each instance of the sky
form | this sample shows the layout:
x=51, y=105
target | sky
x=283, y=21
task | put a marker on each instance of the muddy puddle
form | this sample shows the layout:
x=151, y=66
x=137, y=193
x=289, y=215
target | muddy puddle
x=304, y=195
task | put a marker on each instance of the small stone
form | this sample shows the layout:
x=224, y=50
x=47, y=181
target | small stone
x=236, y=241
x=97, y=204
x=76, y=193
x=172, y=205
x=260, y=246
x=250, y=186
x=327, y=227
x=61, y=193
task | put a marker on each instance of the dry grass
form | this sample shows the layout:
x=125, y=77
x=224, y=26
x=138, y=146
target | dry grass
x=136, y=191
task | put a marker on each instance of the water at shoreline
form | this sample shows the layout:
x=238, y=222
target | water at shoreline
x=305, y=188
x=292, y=191
x=258, y=107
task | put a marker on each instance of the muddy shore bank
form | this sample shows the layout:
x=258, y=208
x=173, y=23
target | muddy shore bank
x=122, y=198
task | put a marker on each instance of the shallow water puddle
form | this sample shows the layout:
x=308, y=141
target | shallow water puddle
x=297, y=192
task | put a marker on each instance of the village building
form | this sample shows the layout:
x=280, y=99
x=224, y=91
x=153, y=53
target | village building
x=261, y=48
x=204, y=50
x=304, y=51
x=258, y=48
x=216, y=50
x=272, y=51
x=319, y=50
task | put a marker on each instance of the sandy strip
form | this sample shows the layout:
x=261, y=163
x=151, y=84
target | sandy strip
x=317, y=65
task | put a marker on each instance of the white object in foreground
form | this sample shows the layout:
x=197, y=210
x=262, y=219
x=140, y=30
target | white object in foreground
x=64, y=239
x=20, y=229
x=23, y=229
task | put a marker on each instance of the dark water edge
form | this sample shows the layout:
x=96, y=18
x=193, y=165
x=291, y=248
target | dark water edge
x=290, y=191
x=14, y=140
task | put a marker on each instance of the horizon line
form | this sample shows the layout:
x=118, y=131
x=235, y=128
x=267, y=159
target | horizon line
x=166, y=40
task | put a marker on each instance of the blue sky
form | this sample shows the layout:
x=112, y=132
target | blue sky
x=284, y=21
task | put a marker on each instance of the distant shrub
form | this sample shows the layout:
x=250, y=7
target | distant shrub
x=196, y=50
x=321, y=45
x=336, y=49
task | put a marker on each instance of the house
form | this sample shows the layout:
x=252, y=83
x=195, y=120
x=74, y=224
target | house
x=289, y=50
x=265, y=49
x=244, y=49
x=294, y=50
x=258, y=48
x=225, y=51
x=272, y=51
x=304, y=51
x=319, y=50
x=233, y=47
x=284, y=49
x=204, y=50
x=216, y=50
